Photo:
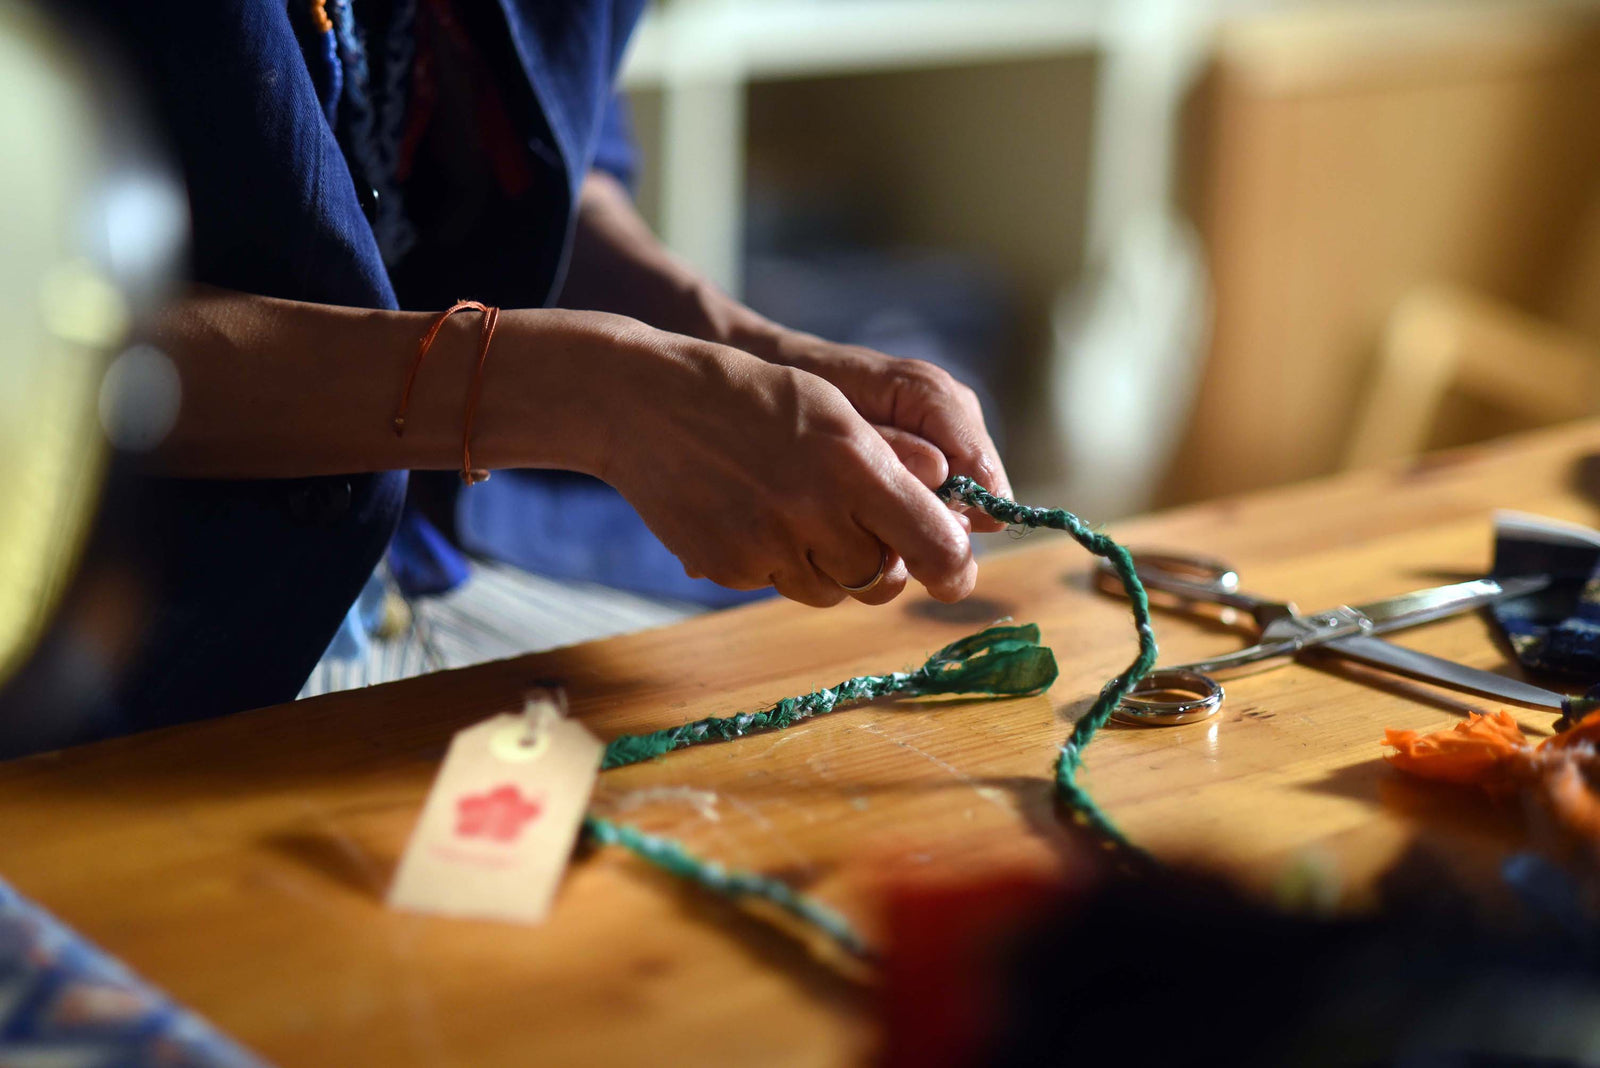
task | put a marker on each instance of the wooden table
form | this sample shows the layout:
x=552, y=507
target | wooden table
x=240, y=863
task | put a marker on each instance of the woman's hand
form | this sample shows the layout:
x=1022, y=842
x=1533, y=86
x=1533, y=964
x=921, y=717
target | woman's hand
x=906, y=399
x=929, y=419
x=757, y=474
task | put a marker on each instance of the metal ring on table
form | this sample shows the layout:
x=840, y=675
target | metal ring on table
x=1150, y=712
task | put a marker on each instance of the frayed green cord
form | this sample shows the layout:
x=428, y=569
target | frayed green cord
x=671, y=857
x=964, y=490
x=999, y=661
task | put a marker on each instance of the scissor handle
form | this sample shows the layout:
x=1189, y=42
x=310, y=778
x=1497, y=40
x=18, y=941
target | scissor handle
x=1193, y=578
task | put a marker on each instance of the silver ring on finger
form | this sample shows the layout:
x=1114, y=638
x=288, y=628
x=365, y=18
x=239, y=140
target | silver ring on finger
x=883, y=565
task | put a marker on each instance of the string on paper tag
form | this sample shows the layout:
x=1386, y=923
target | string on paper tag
x=498, y=827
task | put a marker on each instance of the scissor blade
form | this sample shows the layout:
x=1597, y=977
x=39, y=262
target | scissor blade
x=1424, y=606
x=1441, y=672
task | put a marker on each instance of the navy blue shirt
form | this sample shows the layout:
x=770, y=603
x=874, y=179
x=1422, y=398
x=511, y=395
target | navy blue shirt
x=248, y=580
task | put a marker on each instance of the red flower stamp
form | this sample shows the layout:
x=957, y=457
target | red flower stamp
x=499, y=815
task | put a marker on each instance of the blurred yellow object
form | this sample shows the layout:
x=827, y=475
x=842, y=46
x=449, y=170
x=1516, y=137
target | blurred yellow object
x=87, y=229
x=80, y=305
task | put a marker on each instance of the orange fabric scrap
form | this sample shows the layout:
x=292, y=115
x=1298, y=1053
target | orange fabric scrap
x=1492, y=752
x=1570, y=798
x=1586, y=729
x=1484, y=750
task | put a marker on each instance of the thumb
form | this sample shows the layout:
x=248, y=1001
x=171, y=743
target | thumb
x=920, y=456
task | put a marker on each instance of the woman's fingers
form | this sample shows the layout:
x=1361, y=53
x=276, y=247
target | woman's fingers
x=897, y=525
x=928, y=465
x=804, y=583
x=890, y=586
x=865, y=561
x=920, y=456
x=754, y=473
x=929, y=405
x=953, y=422
x=917, y=526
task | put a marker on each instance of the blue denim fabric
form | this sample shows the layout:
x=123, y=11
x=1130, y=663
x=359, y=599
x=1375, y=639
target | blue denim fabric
x=1558, y=629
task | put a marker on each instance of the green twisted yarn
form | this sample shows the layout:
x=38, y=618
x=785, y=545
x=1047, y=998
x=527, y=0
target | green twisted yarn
x=964, y=490
x=674, y=859
x=999, y=661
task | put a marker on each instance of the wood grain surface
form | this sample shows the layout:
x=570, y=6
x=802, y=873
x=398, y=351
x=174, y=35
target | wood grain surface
x=240, y=863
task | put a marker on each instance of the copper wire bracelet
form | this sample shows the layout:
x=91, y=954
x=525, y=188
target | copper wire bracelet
x=491, y=315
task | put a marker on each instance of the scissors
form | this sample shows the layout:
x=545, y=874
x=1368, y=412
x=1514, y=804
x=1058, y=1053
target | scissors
x=1190, y=692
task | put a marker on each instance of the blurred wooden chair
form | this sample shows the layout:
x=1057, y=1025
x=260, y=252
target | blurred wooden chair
x=1342, y=157
x=1455, y=366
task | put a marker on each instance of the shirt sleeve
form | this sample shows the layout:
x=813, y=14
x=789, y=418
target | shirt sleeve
x=615, y=153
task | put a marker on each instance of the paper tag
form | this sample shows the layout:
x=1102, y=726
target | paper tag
x=498, y=826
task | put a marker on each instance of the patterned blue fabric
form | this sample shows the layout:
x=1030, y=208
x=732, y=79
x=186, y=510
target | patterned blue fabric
x=421, y=560
x=353, y=641
x=1558, y=629
x=66, y=1003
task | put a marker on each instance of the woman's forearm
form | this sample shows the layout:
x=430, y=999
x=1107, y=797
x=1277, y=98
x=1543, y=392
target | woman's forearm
x=274, y=388
x=752, y=473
